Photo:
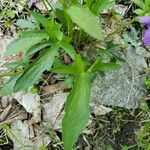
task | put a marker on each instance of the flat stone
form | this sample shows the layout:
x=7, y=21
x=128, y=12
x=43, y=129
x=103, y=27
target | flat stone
x=124, y=87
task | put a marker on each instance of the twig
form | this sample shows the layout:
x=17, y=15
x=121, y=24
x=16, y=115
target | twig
x=9, y=121
x=5, y=112
x=46, y=7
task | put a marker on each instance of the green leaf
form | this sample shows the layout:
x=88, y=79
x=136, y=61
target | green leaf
x=139, y=11
x=26, y=41
x=8, y=87
x=25, y=24
x=98, y=6
x=50, y=26
x=76, y=111
x=147, y=83
x=65, y=20
x=146, y=6
x=138, y=3
x=76, y=69
x=78, y=65
x=63, y=69
x=38, y=47
x=68, y=48
x=43, y=147
x=86, y=21
x=12, y=65
x=34, y=71
x=11, y=13
x=61, y=16
x=75, y=2
x=147, y=3
x=89, y=3
x=99, y=66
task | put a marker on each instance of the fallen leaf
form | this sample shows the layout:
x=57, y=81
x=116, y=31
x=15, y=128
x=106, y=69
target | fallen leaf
x=20, y=135
x=31, y=103
x=52, y=110
x=99, y=109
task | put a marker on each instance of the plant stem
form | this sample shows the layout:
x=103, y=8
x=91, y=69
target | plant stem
x=80, y=34
x=89, y=70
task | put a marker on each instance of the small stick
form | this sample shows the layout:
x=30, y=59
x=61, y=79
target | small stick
x=5, y=112
x=9, y=121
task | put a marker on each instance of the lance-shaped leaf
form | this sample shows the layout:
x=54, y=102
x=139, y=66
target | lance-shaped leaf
x=8, y=87
x=68, y=48
x=34, y=71
x=86, y=20
x=50, y=26
x=38, y=47
x=76, y=111
x=100, y=66
x=26, y=41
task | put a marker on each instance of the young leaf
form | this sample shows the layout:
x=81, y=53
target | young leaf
x=63, y=69
x=99, y=66
x=68, y=48
x=139, y=11
x=76, y=69
x=51, y=27
x=86, y=21
x=98, y=6
x=8, y=88
x=34, y=71
x=26, y=41
x=76, y=111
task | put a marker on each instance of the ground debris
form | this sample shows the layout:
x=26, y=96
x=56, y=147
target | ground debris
x=5, y=112
x=52, y=110
x=31, y=103
x=20, y=135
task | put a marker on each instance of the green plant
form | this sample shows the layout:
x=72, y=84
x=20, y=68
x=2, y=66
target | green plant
x=3, y=135
x=69, y=27
x=8, y=13
x=142, y=135
x=144, y=6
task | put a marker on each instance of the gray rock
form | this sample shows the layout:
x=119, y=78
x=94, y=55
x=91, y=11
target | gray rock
x=124, y=87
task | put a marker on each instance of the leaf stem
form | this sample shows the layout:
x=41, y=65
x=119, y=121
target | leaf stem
x=89, y=70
